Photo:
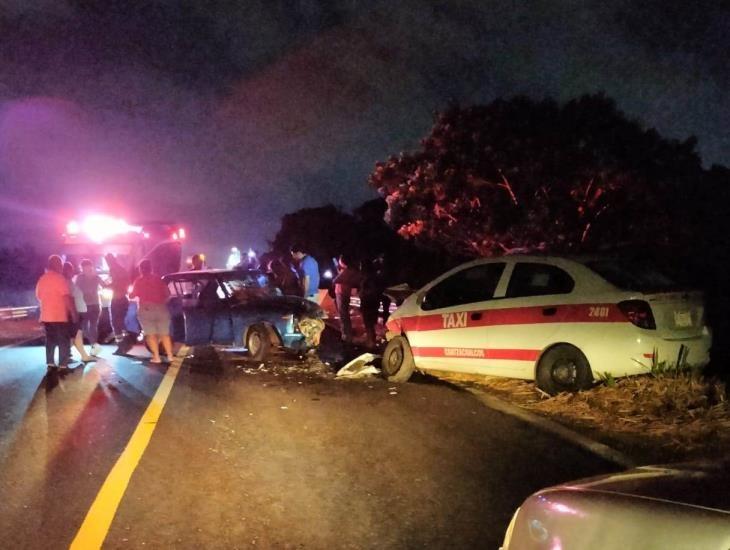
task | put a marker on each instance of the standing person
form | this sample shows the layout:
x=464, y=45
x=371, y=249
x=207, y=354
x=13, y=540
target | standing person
x=197, y=262
x=75, y=333
x=153, y=313
x=285, y=277
x=120, y=303
x=308, y=270
x=89, y=282
x=370, y=294
x=57, y=309
x=347, y=279
x=382, y=277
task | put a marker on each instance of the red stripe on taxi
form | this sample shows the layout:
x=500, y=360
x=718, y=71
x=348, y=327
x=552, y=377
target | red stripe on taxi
x=478, y=353
x=567, y=313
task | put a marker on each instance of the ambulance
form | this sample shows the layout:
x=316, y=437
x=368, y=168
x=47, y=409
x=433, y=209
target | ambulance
x=561, y=322
x=96, y=235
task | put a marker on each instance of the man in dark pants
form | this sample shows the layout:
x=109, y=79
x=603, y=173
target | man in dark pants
x=57, y=309
x=120, y=303
x=347, y=280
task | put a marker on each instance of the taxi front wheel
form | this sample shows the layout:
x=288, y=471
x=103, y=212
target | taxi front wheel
x=563, y=368
x=398, y=364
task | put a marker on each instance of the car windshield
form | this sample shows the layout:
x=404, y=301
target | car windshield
x=249, y=285
x=634, y=275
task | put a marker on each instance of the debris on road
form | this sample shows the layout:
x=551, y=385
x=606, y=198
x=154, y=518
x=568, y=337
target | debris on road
x=359, y=367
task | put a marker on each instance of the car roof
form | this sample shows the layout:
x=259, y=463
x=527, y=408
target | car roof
x=203, y=273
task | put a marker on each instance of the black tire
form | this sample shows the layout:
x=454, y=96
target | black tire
x=563, y=368
x=397, y=364
x=258, y=342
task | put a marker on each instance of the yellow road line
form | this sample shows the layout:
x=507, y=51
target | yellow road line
x=99, y=518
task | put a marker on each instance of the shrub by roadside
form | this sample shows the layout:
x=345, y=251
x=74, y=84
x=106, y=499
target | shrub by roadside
x=668, y=417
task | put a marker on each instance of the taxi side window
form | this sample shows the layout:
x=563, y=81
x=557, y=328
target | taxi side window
x=474, y=284
x=538, y=280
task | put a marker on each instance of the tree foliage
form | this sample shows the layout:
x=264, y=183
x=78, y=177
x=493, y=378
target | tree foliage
x=326, y=232
x=535, y=175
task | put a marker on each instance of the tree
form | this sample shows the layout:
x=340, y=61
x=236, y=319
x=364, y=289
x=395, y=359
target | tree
x=533, y=175
x=326, y=232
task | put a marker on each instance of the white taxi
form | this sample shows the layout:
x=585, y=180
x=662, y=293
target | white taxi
x=561, y=322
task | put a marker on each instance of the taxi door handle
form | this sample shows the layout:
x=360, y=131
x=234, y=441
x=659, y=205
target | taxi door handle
x=549, y=311
x=476, y=316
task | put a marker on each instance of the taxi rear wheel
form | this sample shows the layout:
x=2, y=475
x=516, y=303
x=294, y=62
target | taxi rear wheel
x=563, y=368
x=258, y=343
x=398, y=364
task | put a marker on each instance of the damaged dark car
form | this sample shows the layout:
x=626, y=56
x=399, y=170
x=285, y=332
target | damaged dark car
x=241, y=308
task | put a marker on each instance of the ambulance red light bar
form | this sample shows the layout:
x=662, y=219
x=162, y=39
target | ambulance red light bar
x=179, y=234
x=99, y=227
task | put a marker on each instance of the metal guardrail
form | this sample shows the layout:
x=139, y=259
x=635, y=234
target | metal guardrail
x=7, y=313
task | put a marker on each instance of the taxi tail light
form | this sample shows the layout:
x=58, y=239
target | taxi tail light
x=638, y=312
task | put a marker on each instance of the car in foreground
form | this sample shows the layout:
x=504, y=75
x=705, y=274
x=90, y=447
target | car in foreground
x=561, y=322
x=241, y=308
x=682, y=507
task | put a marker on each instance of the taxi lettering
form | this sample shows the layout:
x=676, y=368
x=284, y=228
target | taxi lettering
x=454, y=320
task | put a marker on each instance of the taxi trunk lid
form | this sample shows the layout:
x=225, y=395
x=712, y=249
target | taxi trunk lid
x=678, y=315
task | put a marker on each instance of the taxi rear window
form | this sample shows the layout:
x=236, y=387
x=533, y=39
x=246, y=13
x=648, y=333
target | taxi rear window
x=634, y=275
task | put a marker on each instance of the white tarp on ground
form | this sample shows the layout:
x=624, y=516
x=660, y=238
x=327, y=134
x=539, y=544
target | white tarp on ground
x=360, y=367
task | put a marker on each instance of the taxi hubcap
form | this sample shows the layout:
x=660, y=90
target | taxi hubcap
x=394, y=361
x=565, y=372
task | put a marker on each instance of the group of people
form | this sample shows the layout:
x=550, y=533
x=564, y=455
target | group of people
x=367, y=277
x=70, y=308
x=370, y=281
x=300, y=279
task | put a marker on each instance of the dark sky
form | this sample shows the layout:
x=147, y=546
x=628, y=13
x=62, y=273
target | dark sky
x=226, y=115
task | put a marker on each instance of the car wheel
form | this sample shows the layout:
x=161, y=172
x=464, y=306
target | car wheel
x=258, y=343
x=397, y=363
x=563, y=368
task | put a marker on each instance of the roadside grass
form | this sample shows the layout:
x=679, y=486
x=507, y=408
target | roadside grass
x=670, y=414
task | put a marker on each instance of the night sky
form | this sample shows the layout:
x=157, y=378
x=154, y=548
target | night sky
x=226, y=115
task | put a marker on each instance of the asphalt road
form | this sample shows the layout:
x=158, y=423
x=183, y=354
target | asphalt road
x=280, y=456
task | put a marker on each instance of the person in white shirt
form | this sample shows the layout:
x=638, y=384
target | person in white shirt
x=75, y=333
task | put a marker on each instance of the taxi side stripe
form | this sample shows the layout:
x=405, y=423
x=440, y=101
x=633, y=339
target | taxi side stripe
x=528, y=315
x=477, y=353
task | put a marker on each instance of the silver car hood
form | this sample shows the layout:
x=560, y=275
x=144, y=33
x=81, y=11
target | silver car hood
x=702, y=484
x=682, y=507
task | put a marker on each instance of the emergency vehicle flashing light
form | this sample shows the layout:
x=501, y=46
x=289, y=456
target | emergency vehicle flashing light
x=99, y=228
